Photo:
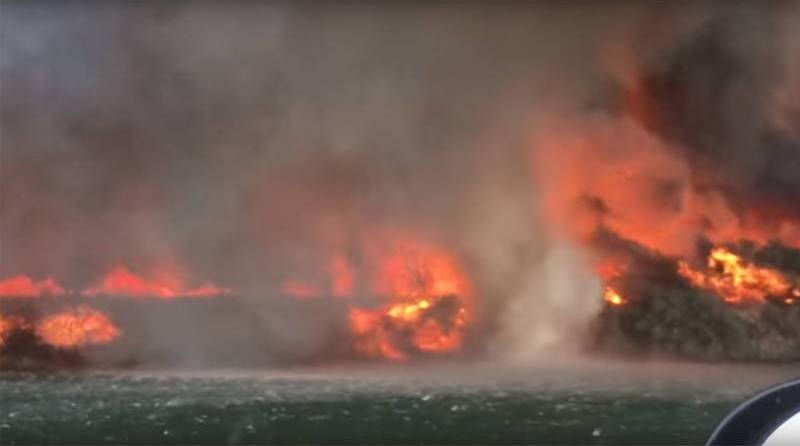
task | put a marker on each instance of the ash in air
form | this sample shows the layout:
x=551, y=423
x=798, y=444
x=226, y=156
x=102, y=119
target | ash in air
x=208, y=184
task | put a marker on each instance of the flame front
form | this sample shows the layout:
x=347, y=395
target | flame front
x=736, y=281
x=24, y=286
x=120, y=281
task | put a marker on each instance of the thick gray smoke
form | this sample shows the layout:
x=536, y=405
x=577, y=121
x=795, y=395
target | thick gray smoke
x=723, y=95
x=235, y=140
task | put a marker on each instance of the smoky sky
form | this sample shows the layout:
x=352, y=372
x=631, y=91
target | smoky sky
x=134, y=132
x=714, y=90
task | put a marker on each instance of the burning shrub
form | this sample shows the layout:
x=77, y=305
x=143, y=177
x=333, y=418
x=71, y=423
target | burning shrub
x=22, y=347
x=419, y=297
x=730, y=309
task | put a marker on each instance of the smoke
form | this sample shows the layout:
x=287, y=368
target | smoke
x=696, y=147
x=694, y=131
x=245, y=143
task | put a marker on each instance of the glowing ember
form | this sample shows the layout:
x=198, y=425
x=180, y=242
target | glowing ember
x=24, y=286
x=735, y=280
x=83, y=326
x=121, y=282
x=611, y=297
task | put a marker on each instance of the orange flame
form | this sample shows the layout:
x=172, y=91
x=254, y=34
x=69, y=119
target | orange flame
x=428, y=308
x=611, y=297
x=24, y=286
x=735, y=280
x=83, y=326
x=374, y=338
x=122, y=282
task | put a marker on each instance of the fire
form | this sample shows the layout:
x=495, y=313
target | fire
x=24, y=286
x=612, y=297
x=616, y=188
x=611, y=268
x=374, y=337
x=395, y=331
x=735, y=280
x=122, y=282
x=421, y=297
x=76, y=328
x=68, y=329
x=428, y=309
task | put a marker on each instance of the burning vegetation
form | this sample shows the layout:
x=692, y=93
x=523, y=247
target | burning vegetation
x=736, y=281
x=65, y=328
x=672, y=165
x=414, y=298
x=76, y=328
x=694, y=229
x=121, y=282
x=725, y=308
x=407, y=299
